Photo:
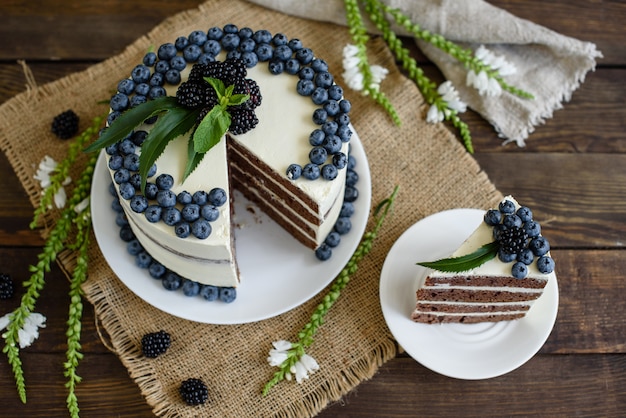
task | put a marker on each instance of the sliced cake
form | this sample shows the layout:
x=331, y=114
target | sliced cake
x=495, y=275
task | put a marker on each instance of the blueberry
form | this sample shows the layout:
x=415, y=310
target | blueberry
x=306, y=73
x=182, y=230
x=200, y=197
x=319, y=95
x=506, y=257
x=116, y=162
x=275, y=66
x=210, y=213
x=304, y=55
x=138, y=137
x=164, y=181
x=333, y=239
x=323, y=252
x=320, y=116
x=121, y=176
x=507, y=206
x=545, y=264
x=342, y=119
x=294, y=171
x=282, y=53
x=140, y=74
x=532, y=229
x=127, y=147
x=126, y=86
x=149, y=59
x=317, y=137
x=171, y=216
x=511, y=221
x=262, y=36
x=192, y=53
x=519, y=270
x=329, y=172
x=166, y=51
x=201, y=229
x=332, y=108
x=116, y=206
x=209, y=293
x=344, y=132
x=112, y=116
x=191, y=288
x=135, y=181
x=205, y=58
x=138, y=99
x=325, y=80
x=172, y=76
x=197, y=37
x=493, y=217
x=215, y=33
x=212, y=47
x=347, y=209
x=343, y=225
x=217, y=197
x=497, y=229
x=335, y=92
x=126, y=234
x=264, y=52
x=245, y=33
x=295, y=44
x=172, y=281
x=250, y=59
x=345, y=106
x=340, y=160
x=153, y=213
x=230, y=28
x=351, y=176
x=190, y=212
x=151, y=191
x=111, y=149
x=292, y=66
x=318, y=155
x=525, y=256
x=162, y=67
x=138, y=203
x=134, y=247
x=166, y=198
x=184, y=197
x=247, y=45
x=525, y=214
x=319, y=65
x=143, y=260
x=156, y=270
x=332, y=144
x=280, y=39
x=311, y=171
x=121, y=219
x=181, y=42
x=330, y=127
x=230, y=41
x=351, y=194
x=539, y=246
x=227, y=294
x=234, y=54
x=305, y=88
x=131, y=162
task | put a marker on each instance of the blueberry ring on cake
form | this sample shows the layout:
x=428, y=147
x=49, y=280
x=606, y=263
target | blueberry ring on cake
x=229, y=108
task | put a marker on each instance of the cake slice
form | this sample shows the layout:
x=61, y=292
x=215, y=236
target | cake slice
x=497, y=274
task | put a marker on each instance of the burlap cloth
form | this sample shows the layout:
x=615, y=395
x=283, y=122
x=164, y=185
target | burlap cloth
x=427, y=161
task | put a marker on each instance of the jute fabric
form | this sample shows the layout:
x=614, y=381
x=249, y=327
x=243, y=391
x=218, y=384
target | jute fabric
x=429, y=164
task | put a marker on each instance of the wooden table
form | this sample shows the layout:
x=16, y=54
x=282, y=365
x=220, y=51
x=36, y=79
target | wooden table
x=572, y=172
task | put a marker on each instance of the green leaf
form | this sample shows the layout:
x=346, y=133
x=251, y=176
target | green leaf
x=466, y=262
x=193, y=159
x=218, y=85
x=130, y=119
x=237, y=99
x=170, y=125
x=211, y=129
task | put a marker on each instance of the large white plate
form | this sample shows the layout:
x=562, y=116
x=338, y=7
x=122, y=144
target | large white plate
x=463, y=351
x=277, y=272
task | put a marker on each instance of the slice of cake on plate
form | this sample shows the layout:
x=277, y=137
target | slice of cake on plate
x=495, y=275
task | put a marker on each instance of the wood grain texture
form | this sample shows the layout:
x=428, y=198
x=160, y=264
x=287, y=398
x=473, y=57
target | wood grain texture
x=572, y=172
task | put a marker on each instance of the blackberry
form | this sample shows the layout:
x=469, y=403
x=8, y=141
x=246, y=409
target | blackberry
x=65, y=125
x=155, y=343
x=6, y=286
x=242, y=120
x=512, y=240
x=193, y=94
x=194, y=391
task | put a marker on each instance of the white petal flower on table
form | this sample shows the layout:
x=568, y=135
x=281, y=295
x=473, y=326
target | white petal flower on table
x=30, y=330
x=301, y=369
x=45, y=169
x=486, y=85
x=352, y=74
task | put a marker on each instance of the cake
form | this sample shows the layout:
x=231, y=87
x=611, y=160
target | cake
x=284, y=145
x=497, y=274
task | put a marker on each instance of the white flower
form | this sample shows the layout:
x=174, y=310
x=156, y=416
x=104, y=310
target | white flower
x=450, y=96
x=45, y=169
x=305, y=366
x=434, y=115
x=30, y=331
x=279, y=353
x=482, y=82
x=82, y=205
x=353, y=76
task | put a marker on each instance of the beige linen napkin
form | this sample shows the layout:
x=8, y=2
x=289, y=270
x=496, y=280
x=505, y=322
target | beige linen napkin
x=549, y=65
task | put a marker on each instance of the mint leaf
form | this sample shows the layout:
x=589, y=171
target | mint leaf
x=131, y=119
x=218, y=85
x=172, y=124
x=211, y=129
x=237, y=99
x=465, y=262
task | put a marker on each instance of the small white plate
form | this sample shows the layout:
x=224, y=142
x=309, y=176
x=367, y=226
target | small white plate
x=462, y=351
x=277, y=272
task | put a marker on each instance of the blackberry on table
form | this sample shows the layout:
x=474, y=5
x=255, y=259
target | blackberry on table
x=194, y=391
x=65, y=125
x=6, y=286
x=155, y=343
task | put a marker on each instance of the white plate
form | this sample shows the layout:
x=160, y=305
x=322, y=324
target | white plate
x=277, y=272
x=463, y=351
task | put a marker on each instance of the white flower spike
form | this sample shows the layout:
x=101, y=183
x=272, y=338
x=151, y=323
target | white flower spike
x=353, y=76
x=486, y=85
x=301, y=369
x=30, y=331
